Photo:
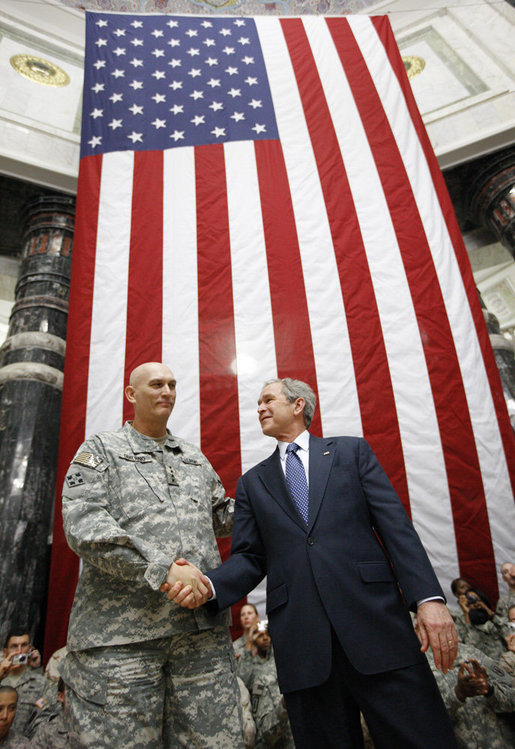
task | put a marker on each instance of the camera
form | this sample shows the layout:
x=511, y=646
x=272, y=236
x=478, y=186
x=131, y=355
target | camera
x=472, y=598
x=20, y=659
x=511, y=626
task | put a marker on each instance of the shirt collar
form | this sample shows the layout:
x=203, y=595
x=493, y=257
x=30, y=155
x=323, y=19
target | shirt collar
x=302, y=441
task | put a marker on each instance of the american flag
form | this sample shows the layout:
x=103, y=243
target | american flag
x=258, y=198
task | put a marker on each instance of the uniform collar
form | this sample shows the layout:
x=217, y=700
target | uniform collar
x=140, y=443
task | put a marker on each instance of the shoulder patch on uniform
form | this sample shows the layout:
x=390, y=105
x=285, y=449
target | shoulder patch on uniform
x=74, y=478
x=42, y=702
x=87, y=459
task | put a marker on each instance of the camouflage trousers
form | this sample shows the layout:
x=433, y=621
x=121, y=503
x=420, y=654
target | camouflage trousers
x=174, y=692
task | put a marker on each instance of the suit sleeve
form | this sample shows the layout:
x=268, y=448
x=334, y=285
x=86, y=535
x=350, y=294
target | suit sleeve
x=396, y=532
x=246, y=566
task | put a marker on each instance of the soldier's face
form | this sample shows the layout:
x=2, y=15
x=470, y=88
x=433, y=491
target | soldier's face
x=15, y=646
x=8, y=704
x=154, y=391
x=262, y=642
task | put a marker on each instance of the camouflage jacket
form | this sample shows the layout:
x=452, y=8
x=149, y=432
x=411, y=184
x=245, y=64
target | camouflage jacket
x=504, y=603
x=14, y=741
x=475, y=721
x=33, y=692
x=51, y=735
x=130, y=508
x=270, y=716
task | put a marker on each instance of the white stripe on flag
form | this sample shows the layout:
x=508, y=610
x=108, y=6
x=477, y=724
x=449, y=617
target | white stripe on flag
x=253, y=323
x=499, y=497
x=338, y=399
x=180, y=289
x=109, y=315
x=427, y=477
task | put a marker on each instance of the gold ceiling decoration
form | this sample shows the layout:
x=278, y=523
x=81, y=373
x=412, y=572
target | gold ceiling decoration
x=39, y=70
x=414, y=65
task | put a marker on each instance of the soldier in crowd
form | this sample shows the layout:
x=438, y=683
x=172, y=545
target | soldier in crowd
x=483, y=629
x=507, y=660
x=9, y=738
x=33, y=703
x=260, y=676
x=248, y=618
x=141, y=671
x=475, y=691
x=507, y=600
x=53, y=734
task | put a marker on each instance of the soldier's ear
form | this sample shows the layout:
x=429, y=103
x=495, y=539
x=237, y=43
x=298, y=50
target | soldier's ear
x=129, y=394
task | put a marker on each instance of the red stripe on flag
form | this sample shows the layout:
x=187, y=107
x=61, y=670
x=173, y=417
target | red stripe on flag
x=219, y=412
x=368, y=350
x=65, y=565
x=293, y=344
x=474, y=544
x=385, y=34
x=145, y=286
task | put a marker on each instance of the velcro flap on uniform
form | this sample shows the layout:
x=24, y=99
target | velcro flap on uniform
x=375, y=572
x=86, y=683
x=276, y=597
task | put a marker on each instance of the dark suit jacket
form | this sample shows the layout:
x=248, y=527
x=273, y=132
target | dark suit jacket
x=332, y=572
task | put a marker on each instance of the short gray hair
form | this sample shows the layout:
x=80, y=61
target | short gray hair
x=294, y=389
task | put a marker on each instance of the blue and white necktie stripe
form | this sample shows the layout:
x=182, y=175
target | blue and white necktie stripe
x=296, y=480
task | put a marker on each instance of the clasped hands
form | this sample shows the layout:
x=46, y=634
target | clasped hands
x=186, y=585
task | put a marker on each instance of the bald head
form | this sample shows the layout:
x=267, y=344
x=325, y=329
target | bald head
x=151, y=390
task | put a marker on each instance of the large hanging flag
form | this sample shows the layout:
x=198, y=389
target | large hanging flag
x=258, y=198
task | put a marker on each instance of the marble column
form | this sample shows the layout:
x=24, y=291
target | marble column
x=31, y=376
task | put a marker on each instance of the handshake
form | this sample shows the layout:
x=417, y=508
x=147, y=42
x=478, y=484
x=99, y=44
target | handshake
x=186, y=585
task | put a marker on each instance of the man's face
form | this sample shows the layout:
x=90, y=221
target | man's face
x=8, y=704
x=15, y=646
x=276, y=413
x=262, y=642
x=153, y=391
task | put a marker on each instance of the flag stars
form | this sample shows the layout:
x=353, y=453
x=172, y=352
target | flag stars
x=207, y=24
x=114, y=124
x=101, y=42
x=101, y=23
x=137, y=42
x=197, y=95
x=99, y=64
x=136, y=137
x=97, y=87
x=158, y=52
x=159, y=98
x=213, y=82
x=119, y=51
x=157, y=123
x=177, y=135
x=243, y=40
x=136, y=85
x=174, y=43
x=136, y=63
x=237, y=116
x=225, y=32
x=192, y=32
x=231, y=71
x=116, y=97
x=119, y=32
x=177, y=109
x=96, y=113
x=193, y=52
x=199, y=119
x=239, y=22
x=158, y=74
x=194, y=72
x=175, y=62
x=259, y=128
x=218, y=132
x=157, y=33
x=172, y=24
x=211, y=61
x=255, y=103
x=234, y=92
x=251, y=81
x=137, y=24
x=209, y=42
x=216, y=106
x=175, y=85
x=118, y=73
x=247, y=60
x=228, y=50
x=95, y=141
x=136, y=109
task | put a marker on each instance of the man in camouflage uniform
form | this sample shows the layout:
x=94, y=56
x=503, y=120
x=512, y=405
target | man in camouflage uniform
x=142, y=672
x=474, y=691
x=33, y=694
x=53, y=734
x=9, y=739
x=504, y=602
x=259, y=674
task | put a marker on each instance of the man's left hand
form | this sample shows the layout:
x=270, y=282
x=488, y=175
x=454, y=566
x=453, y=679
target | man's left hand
x=34, y=658
x=435, y=628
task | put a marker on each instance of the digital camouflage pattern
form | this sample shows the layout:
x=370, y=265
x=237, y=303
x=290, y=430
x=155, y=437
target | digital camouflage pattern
x=475, y=721
x=143, y=672
x=51, y=735
x=178, y=691
x=34, y=700
x=504, y=603
x=272, y=725
x=15, y=741
x=129, y=511
x=487, y=637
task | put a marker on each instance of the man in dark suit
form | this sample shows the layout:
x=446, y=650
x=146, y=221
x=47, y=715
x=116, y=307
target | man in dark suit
x=343, y=564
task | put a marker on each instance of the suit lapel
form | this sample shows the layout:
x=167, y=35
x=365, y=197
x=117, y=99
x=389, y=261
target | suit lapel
x=321, y=456
x=272, y=476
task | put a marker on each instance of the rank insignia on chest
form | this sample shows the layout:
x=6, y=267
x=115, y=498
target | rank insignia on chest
x=74, y=479
x=170, y=476
x=87, y=459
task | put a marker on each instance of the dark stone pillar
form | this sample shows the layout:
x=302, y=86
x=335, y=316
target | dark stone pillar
x=490, y=196
x=31, y=374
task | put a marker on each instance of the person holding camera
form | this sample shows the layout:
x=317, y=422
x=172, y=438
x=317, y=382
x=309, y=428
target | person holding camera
x=31, y=686
x=483, y=629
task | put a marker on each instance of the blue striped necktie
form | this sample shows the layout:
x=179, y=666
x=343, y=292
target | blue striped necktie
x=296, y=480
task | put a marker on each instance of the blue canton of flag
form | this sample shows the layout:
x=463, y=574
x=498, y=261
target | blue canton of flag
x=155, y=82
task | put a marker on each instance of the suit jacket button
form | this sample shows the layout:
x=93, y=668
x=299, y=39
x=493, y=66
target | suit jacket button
x=310, y=541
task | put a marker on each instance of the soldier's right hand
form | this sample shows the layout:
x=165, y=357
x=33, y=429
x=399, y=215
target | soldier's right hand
x=6, y=665
x=186, y=585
